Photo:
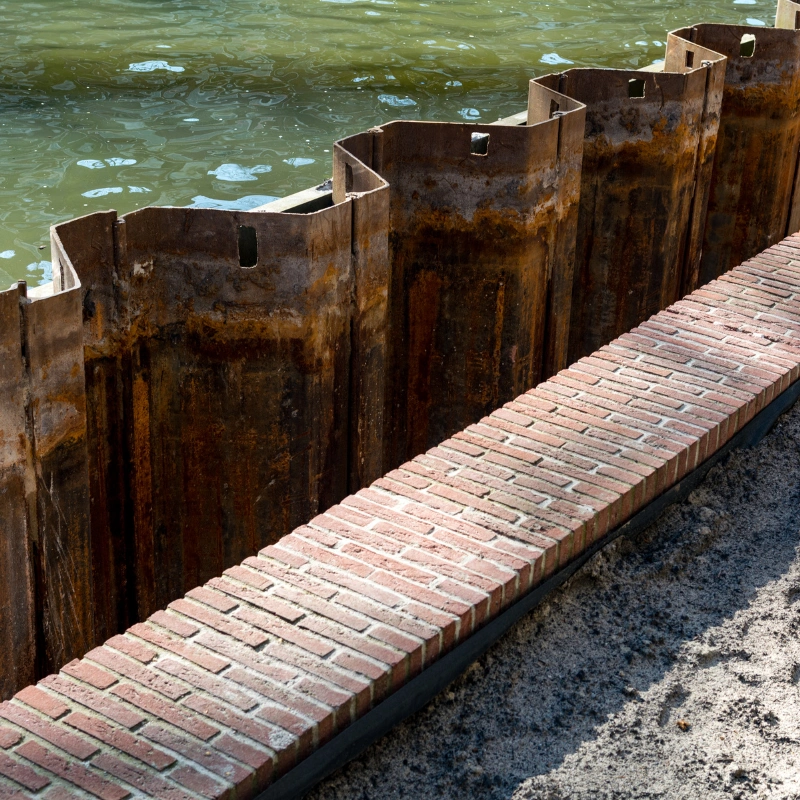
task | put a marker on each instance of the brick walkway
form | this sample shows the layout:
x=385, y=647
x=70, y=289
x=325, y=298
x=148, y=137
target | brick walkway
x=236, y=683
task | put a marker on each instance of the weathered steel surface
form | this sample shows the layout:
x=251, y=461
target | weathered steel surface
x=17, y=597
x=481, y=261
x=640, y=169
x=46, y=602
x=57, y=422
x=756, y=155
x=228, y=403
x=369, y=245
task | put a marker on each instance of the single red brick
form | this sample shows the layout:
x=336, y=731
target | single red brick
x=71, y=772
x=145, y=781
x=284, y=556
x=142, y=675
x=218, y=601
x=22, y=773
x=55, y=734
x=249, y=577
x=331, y=696
x=84, y=671
x=99, y=702
x=283, y=718
x=8, y=738
x=219, y=687
x=318, y=535
x=204, y=755
x=174, y=623
x=261, y=761
x=122, y=740
x=41, y=701
x=409, y=478
x=169, y=712
x=132, y=648
x=220, y=622
x=200, y=783
x=375, y=672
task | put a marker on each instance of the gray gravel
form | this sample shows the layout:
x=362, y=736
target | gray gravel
x=667, y=667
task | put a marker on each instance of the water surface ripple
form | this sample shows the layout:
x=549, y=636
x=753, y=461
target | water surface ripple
x=126, y=103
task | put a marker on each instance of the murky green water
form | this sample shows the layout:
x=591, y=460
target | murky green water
x=125, y=103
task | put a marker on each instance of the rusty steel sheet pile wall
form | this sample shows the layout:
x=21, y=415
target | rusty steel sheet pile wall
x=755, y=166
x=482, y=229
x=46, y=602
x=219, y=393
x=644, y=136
x=198, y=383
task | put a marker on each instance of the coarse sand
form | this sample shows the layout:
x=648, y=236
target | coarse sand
x=668, y=666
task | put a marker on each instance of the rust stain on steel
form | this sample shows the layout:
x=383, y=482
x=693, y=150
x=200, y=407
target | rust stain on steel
x=17, y=599
x=46, y=598
x=480, y=254
x=640, y=167
x=756, y=155
x=223, y=397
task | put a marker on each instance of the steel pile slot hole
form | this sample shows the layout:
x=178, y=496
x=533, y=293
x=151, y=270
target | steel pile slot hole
x=747, y=48
x=248, y=246
x=635, y=87
x=479, y=144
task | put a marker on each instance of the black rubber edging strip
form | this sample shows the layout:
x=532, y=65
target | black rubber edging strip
x=418, y=692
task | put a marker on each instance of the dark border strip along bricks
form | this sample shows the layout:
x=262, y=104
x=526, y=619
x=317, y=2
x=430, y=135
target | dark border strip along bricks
x=264, y=669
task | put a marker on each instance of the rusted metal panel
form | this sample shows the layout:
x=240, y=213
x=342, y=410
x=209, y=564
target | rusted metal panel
x=787, y=16
x=224, y=394
x=683, y=55
x=756, y=155
x=57, y=425
x=17, y=600
x=474, y=217
x=239, y=380
x=645, y=134
x=89, y=243
x=369, y=244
